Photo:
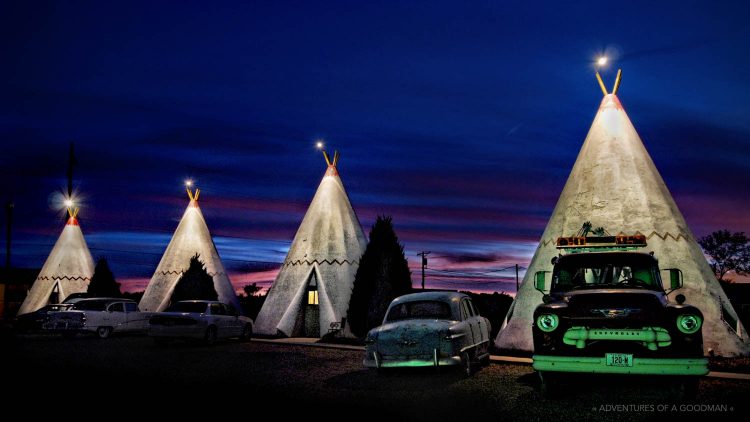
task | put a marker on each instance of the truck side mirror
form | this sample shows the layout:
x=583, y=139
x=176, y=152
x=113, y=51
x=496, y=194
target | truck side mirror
x=675, y=278
x=540, y=281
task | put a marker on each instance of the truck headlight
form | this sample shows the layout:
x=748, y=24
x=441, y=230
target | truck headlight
x=689, y=324
x=547, y=322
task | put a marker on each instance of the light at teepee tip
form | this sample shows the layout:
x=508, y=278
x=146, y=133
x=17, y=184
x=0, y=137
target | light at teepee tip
x=188, y=183
x=319, y=144
x=601, y=61
x=69, y=203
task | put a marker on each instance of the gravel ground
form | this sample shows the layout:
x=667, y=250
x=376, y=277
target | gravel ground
x=298, y=380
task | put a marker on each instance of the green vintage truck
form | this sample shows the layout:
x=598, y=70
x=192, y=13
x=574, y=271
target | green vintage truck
x=606, y=311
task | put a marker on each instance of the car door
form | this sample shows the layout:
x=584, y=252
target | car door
x=470, y=321
x=115, y=316
x=233, y=320
x=481, y=324
x=134, y=321
x=218, y=314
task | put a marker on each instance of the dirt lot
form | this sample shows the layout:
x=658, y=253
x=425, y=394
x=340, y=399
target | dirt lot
x=131, y=372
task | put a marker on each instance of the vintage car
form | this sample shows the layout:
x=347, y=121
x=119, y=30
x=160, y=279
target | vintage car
x=34, y=321
x=430, y=329
x=101, y=316
x=202, y=320
x=605, y=311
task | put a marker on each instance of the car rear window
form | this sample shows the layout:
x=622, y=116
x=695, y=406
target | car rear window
x=188, y=307
x=425, y=309
x=91, y=305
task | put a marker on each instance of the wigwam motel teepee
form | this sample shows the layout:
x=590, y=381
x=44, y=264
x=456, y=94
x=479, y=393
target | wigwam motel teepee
x=68, y=268
x=191, y=237
x=314, y=285
x=615, y=185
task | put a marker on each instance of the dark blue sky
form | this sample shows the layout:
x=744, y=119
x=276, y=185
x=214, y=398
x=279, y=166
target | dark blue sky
x=460, y=120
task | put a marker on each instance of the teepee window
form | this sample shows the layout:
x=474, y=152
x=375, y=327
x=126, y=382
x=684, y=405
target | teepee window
x=312, y=290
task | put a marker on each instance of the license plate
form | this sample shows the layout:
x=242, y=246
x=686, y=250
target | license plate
x=619, y=359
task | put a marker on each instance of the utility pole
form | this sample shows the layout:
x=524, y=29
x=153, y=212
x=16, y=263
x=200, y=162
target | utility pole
x=7, y=235
x=423, y=254
x=517, y=278
x=7, y=258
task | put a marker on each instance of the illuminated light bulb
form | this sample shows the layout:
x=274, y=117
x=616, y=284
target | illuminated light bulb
x=601, y=61
x=319, y=145
x=188, y=183
x=69, y=203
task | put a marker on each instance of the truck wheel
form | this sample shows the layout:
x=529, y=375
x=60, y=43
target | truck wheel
x=210, y=337
x=247, y=333
x=466, y=364
x=103, y=332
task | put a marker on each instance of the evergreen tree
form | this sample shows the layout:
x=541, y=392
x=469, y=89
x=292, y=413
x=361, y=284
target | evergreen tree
x=383, y=275
x=103, y=282
x=195, y=283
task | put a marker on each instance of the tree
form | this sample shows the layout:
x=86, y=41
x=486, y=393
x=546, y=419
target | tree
x=383, y=275
x=728, y=252
x=251, y=289
x=103, y=282
x=195, y=283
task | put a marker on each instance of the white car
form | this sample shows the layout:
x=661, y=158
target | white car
x=199, y=320
x=430, y=329
x=101, y=316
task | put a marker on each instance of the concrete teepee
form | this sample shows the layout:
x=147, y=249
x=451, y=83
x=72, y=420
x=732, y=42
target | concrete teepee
x=191, y=237
x=614, y=184
x=315, y=283
x=68, y=269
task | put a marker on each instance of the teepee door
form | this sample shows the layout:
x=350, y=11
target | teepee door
x=54, y=296
x=312, y=308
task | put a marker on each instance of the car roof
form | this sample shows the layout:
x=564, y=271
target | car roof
x=199, y=301
x=104, y=299
x=439, y=296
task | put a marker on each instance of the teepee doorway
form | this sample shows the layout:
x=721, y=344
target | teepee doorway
x=54, y=296
x=312, y=308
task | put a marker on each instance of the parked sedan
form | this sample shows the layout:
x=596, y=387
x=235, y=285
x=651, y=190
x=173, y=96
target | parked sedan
x=430, y=329
x=100, y=316
x=199, y=320
x=33, y=321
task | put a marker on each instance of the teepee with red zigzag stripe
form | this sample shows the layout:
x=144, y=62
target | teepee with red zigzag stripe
x=191, y=237
x=615, y=185
x=311, y=293
x=68, y=269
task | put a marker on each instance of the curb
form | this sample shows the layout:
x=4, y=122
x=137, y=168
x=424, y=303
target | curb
x=493, y=358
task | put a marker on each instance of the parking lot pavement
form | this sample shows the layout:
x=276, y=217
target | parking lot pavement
x=296, y=379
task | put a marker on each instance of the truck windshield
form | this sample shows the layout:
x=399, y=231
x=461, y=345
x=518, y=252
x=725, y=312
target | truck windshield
x=607, y=270
x=420, y=310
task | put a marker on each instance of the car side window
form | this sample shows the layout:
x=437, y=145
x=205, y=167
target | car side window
x=217, y=309
x=116, y=307
x=464, y=312
x=472, y=308
x=131, y=307
x=231, y=310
